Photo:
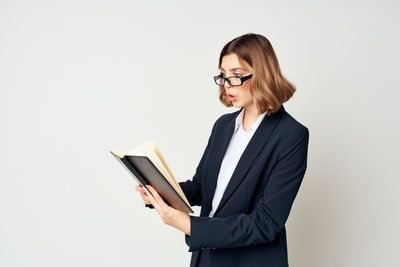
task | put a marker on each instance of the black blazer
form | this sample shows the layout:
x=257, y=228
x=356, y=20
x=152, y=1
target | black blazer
x=248, y=227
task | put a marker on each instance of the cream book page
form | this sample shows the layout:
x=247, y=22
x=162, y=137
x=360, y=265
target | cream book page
x=169, y=171
x=151, y=150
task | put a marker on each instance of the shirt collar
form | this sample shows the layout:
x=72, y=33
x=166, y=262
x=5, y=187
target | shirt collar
x=253, y=127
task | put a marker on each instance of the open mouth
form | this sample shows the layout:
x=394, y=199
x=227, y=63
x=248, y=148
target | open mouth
x=232, y=97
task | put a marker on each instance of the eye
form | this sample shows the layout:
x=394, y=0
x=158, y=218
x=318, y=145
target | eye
x=238, y=74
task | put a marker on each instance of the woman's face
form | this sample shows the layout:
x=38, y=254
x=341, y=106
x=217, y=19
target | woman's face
x=240, y=96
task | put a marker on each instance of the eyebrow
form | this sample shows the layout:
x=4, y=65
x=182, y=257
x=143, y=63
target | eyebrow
x=233, y=69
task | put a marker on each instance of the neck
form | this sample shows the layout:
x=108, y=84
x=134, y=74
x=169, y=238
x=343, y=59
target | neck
x=251, y=112
x=250, y=115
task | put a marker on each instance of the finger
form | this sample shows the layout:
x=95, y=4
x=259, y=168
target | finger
x=156, y=196
x=143, y=194
x=147, y=191
x=151, y=198
x=145, y=198
x=141, y=189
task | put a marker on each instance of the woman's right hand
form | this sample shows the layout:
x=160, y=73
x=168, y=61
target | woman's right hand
x=145, y=198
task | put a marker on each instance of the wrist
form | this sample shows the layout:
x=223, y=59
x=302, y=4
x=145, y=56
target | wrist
x=186, y=224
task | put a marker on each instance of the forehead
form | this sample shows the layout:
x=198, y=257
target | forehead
x=232, y=62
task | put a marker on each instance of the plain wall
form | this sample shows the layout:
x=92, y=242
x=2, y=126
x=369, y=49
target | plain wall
x=79, y=78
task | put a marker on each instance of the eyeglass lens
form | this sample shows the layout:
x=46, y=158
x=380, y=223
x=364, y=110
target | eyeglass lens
x=232, y=80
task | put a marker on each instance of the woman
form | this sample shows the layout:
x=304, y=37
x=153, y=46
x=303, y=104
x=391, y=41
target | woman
x=251, y=169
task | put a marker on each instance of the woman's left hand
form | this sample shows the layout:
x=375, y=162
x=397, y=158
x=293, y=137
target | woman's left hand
x=173, y=217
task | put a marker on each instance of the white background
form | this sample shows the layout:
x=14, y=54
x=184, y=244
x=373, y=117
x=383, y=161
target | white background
x=78, y=78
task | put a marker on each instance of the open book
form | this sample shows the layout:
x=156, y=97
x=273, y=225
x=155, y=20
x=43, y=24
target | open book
x=146, y=164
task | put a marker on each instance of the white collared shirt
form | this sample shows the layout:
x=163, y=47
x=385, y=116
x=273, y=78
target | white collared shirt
x=237, y=145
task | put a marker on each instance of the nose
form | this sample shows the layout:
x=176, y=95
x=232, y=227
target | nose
x=227, y=85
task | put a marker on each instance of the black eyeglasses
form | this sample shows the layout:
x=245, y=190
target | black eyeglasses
x=232, y=80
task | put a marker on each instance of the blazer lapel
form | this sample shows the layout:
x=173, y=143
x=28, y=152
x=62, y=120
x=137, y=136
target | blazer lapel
x=249, y=155
x=218, y=155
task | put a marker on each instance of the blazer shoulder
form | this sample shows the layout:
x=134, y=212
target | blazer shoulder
x=226, y=118
x=289, y=126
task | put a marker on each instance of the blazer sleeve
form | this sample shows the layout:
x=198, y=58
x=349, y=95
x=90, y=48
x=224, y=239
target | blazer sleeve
x=192, y=188
x=267, y=220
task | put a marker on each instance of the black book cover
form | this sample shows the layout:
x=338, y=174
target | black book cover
x=145, y=172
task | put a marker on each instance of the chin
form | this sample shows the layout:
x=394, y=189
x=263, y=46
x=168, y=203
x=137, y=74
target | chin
x=236, y=105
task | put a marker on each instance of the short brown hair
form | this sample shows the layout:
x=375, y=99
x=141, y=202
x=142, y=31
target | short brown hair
x=268, y=86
